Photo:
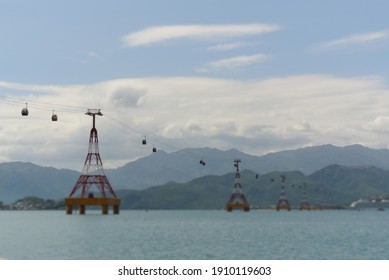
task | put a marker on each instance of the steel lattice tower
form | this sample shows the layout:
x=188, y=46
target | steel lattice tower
x=283, y=203
x=93, y=175
x=304, y=205
x=237, y=199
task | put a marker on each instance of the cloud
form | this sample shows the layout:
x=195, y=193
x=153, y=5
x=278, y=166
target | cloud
x=127, y=97
x=255, y=116
x=234, y=62
x=159, y=34
x=357, y=39
x=379, y=124
x=93, y=54
x=228, y=46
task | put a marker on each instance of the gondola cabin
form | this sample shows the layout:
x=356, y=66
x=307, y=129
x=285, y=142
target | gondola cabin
x=54, y=117
x=144, y=142
x=154, y=149
x=25, y=111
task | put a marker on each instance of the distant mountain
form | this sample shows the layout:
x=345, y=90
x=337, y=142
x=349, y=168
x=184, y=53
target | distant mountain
x=20, y=179
x=354, y=182
x=180, y=166
x=183, y=165
x=311, y=159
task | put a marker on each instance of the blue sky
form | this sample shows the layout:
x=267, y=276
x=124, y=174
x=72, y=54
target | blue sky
x=44, y=41
x=259, y=76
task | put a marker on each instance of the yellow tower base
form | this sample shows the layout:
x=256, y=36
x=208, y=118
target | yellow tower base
x=283, y=207
x=83, y=202
x=244, y=207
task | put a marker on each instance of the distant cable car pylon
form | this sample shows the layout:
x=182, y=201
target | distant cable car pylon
x=237, y=199
x=283, y=202
x=304, y=205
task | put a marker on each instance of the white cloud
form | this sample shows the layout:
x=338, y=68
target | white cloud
x=379, y=124
x=158, y=34
x=255, y=116
x=228, y=46
x=234, y=62
x=357, y=39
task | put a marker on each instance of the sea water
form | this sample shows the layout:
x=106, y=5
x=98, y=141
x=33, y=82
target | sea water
x=194, y=235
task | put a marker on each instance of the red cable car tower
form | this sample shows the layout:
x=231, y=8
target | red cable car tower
x=304, y=205
x=283, y=203
x=93, y=175
x=237, y=199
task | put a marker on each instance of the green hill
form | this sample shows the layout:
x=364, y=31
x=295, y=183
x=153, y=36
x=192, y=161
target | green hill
x=335, y=185
x=353, y=182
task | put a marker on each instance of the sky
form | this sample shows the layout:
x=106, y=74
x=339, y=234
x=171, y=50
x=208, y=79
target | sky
x=257, y=76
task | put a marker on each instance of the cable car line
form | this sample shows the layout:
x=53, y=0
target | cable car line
x=41, y=104
x=128, y=130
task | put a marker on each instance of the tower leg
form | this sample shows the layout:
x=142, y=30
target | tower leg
x=104, y=209
x=82, y=209
x=116, y=209
x=69, y=209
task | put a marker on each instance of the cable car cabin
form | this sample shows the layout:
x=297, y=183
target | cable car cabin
x=202, y=162
x=25, y=112
x=154, y=149
x=54, y=117
x=144, y=142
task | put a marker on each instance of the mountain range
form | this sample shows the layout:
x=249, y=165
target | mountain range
x=343, y=174
x=20, y=179
x=183, y=165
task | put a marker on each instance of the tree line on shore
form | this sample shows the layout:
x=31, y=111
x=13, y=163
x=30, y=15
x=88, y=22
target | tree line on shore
x=33, y=203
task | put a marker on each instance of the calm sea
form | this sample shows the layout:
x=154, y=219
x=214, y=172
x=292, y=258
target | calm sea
x=188, y=235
